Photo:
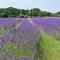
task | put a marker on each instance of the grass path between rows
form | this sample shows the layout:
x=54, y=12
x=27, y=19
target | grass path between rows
x=52, y=47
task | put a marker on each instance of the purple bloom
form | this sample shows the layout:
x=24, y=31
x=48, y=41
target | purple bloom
x=3, y=56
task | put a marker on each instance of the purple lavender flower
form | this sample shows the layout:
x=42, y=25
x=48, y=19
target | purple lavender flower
x=3, y=56
x=12, y=57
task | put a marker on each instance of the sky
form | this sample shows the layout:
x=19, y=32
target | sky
x=45, y=5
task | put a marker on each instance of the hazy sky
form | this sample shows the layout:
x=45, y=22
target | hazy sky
x=48, y=5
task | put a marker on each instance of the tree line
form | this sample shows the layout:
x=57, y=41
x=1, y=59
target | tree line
x=11, y=12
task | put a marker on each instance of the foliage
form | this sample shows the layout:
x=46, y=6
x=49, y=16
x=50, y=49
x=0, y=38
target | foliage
x=22, y=13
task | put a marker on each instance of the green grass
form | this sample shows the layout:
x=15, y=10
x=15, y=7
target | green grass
x=16, y=52
x=52, y=47
x=2, y=32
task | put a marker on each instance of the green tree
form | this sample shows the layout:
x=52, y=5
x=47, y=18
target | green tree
x=5, y=15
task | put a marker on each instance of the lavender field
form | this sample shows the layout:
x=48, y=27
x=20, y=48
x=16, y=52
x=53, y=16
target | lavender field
x=29, y=38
